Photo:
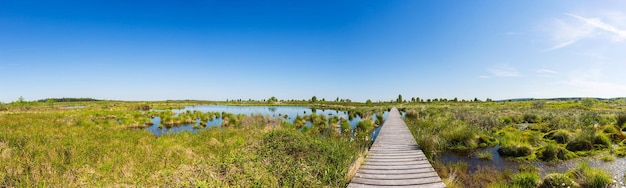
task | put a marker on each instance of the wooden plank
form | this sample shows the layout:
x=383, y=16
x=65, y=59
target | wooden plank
x=396, y=176
x=416, y=182
x=433, y=185
x=396, y=171
x=395, y=159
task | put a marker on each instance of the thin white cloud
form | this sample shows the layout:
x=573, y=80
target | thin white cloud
x=568, y=32
x=546, y=71
x=483, y=77
x=503, y=71
x=597, y=23
x=561, y=45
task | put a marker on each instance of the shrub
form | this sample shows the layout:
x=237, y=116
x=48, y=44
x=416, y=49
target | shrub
x=365, y=125
x=549, y=153
x=621, y=119
x=587, y=176
x=600, y=140
x=531, y=118
x=614, y=133
x=485, y=155
x=560, y=136
x=412, y=114
x=515, y=150
x=620, y=152
x=525, y=179
x=461, y=137
x=558, y=180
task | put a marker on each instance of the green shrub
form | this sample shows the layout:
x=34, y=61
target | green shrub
x=620, y=152
x=515, y=150
x=558, y=180
x=621, y=120
x=365, y=125
x=412, y=114
x=587, y=176
x=531, y=118
x=601, y=140
x=613, y=132
x=525, y=179
x=560, y=136
x=549, y=153
x=460, y=137
x=485, y=155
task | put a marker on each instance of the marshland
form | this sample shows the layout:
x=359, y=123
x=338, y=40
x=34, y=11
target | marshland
x=303, y=143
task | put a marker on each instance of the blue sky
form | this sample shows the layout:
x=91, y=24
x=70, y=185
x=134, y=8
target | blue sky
x=217, y=50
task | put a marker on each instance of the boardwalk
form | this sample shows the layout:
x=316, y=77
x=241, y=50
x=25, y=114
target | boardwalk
x=395, y=159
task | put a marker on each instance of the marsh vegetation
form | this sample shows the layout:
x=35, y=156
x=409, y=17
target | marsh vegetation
x=186, y=143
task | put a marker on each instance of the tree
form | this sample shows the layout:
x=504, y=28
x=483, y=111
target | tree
x=20, y=100
x=314, y=99
x=368, y=102
x=588, y=102
x=272, y=100
x=50, y=102
x=399, y=100
x=455, y=99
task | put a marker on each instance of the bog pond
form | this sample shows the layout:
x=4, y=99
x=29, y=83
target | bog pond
x=289, y=114
x=285, y=113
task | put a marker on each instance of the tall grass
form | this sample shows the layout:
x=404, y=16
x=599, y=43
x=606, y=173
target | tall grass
x=77, y=148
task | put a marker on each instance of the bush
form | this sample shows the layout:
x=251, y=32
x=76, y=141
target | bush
x=461, y=137
x=549, y=153
x=412, y=114
x=560, y=136
x=515, y=150
x=531, y=118
x=587, y=176
x=525, y=179
x=553, y=152
x=621, y=120
x=621, y=151
x=614, y=133
x=558, y=180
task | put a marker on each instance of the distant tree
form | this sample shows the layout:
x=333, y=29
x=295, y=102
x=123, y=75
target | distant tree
x=337, y=100
x=538, y=104
x=588, y=102
x=489, y=100
x=455, y=99
x=476, y=99
x=323, y=99
x=399, y=100
x=272, y=100
x=314, y=99
x=412, y=99
x=368, y=102
x=20, y=100
x=50, y=102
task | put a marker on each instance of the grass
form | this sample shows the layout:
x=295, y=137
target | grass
x=485, y=155
x=83, y=147
x=587, y=176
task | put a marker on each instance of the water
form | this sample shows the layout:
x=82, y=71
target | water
x=272, y=111
x=616, y=168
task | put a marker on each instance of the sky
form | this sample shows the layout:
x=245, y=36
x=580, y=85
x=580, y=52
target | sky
x=218, y=50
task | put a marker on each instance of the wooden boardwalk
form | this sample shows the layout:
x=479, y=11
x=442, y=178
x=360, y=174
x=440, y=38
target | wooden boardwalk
x=395, y=159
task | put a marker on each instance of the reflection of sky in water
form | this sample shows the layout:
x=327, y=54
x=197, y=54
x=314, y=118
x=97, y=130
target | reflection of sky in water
x=272, y=111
